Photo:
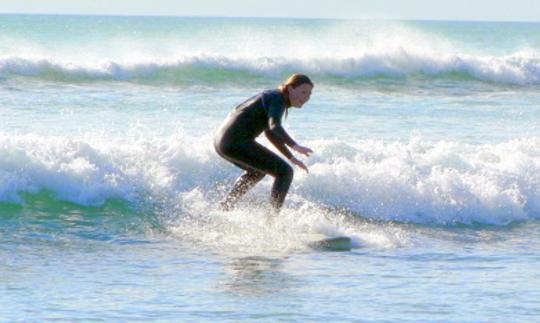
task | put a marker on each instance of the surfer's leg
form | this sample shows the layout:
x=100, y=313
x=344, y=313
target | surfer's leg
x=283, y=174
x=252, y=155
x=242, y=185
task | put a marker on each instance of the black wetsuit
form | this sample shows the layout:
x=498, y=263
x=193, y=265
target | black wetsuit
x=235, y=141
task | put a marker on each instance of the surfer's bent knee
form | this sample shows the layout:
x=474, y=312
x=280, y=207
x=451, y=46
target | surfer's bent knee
x=285, y=170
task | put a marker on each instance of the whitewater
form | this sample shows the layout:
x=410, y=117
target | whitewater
x=426, y=139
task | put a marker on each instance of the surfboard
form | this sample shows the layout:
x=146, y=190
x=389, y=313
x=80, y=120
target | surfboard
x=323, y=242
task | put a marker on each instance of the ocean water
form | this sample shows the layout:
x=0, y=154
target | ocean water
x=427, y=154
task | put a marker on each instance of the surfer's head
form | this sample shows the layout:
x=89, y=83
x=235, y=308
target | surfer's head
x=297, y=90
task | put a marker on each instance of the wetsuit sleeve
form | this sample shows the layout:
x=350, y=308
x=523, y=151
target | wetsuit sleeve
x=278, y=143
x=275, y=112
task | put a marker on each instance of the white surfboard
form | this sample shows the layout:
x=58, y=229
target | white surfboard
x=328, y=243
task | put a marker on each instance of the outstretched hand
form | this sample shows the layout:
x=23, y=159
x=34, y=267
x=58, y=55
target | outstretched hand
x=299, y=163
x=301, y=149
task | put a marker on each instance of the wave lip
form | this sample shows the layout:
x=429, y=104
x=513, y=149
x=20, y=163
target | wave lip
x=520, y=68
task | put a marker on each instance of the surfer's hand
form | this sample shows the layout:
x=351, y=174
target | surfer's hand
x=303, y=150
x=299, y=164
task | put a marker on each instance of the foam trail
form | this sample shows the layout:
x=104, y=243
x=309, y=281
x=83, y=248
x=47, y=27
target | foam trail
x=250, y=230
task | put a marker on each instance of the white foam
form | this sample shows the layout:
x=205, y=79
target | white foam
x=412, y=181
x=426, y=182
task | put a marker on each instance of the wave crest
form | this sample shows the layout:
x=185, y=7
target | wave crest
x=521, y=68
x=416, y=181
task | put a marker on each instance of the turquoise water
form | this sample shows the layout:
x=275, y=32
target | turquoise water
x=427, y=154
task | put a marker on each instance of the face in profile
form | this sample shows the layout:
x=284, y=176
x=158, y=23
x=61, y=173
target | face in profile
x=300, y=94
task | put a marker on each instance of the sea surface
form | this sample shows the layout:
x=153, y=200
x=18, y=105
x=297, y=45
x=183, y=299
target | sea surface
x=426, y=139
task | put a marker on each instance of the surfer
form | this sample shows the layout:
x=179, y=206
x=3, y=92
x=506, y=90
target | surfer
x=235, y=140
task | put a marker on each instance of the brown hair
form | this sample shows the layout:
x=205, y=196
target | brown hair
x=294, y=80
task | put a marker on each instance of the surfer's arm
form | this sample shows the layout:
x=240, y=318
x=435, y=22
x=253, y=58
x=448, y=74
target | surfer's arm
x=275, y=112
x=278, y=144
x=284, y=150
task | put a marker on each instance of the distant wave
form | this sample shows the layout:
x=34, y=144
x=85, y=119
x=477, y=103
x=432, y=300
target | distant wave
x=517, y=69
x=416, y=181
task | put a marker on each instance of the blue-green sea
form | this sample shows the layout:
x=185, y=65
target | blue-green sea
x=426, y=139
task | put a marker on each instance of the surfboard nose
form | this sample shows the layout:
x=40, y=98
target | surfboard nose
x=332, y=244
